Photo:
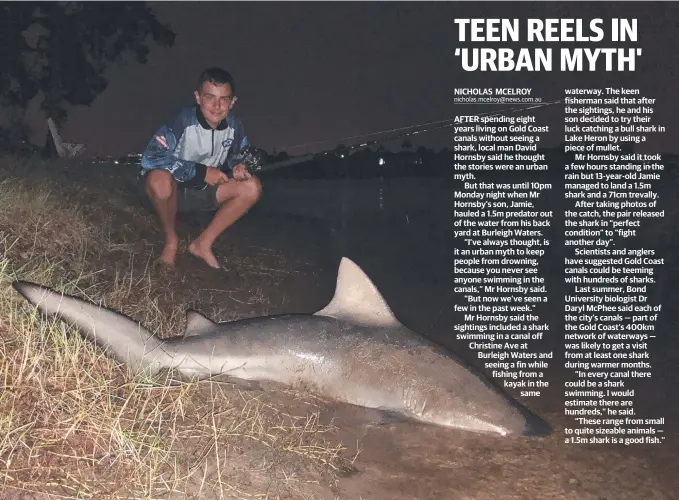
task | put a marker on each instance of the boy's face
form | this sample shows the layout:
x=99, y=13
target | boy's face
x=215, y=101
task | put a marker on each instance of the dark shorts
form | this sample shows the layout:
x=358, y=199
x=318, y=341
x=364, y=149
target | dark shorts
x=197, y=200
x=188, y=199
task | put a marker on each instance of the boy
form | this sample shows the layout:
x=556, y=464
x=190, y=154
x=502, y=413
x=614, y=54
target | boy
x=188, y=165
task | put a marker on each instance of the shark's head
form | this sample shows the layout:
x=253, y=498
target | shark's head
x=535, y=426
x=507, y=420
x=450, y=393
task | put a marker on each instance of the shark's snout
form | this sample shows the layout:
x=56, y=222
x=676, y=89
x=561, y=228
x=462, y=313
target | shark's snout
x=535, y=426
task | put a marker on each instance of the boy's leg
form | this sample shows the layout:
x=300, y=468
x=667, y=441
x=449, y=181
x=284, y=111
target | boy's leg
x=161, y=189
x=234, y=199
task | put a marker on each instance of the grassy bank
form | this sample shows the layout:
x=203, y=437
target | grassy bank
x=72, y=424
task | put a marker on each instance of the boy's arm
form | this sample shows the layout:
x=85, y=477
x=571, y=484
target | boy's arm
x=240, y=142
x=159, y=154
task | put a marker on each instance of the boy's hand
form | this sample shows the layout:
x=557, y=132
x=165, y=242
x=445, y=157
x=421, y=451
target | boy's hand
x=241, y=173
x=215, y=176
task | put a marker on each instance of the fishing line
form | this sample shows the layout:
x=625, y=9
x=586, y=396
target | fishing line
x=253, y=159
x=365, y=135
x=436, y=122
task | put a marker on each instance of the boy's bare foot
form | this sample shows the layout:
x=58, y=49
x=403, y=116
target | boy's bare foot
x=169, y=253
x=197, y=250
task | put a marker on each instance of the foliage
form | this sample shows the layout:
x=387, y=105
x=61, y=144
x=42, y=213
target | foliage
x=62, y=49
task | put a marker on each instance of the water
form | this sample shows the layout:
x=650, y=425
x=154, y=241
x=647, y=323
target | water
x=397, y=230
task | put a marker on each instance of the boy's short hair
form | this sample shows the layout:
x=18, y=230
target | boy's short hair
x=218, y=76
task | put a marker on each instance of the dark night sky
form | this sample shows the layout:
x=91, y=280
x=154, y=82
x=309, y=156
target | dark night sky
x=315, y=71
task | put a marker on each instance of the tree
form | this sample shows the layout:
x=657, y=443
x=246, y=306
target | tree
x=62, y=49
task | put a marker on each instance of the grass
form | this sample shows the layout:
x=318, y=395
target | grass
x=74, y=426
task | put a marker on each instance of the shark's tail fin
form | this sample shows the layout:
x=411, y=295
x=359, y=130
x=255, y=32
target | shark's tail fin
x=120, y=336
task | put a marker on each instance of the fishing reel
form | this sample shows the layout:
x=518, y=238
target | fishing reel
x=252, y=158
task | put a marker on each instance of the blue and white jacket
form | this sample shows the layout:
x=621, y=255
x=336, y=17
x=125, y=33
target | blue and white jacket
x=188, y=145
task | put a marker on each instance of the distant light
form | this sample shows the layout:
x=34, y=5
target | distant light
x=341, y=156
x=381, y=161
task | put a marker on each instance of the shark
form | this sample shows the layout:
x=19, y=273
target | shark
x=354, y=350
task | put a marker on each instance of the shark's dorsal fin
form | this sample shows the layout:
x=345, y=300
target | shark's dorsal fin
x=357, y=299
x=196, y=323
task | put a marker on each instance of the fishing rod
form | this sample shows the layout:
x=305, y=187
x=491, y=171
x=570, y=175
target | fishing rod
x=252, y=157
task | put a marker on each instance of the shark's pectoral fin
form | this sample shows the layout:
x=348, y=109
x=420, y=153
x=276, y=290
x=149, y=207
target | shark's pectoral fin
x=197, y=324
x=357, y=299
x=388, y=417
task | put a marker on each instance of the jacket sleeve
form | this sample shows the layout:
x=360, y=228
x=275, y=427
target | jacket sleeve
x=160, y=154
x=240, y=142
